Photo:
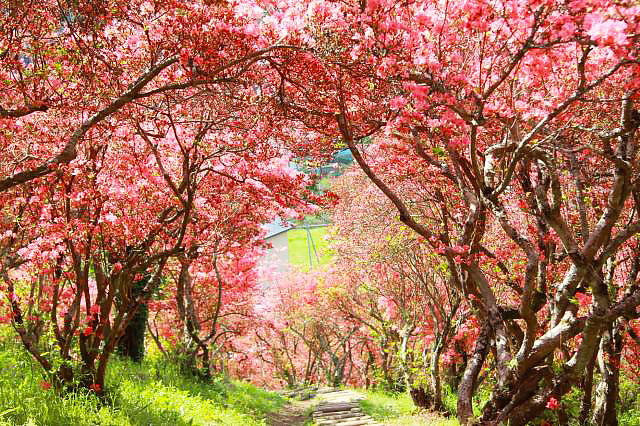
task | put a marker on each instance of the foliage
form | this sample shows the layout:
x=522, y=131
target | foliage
x=629, y=408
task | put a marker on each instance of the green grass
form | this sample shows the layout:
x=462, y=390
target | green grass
x=299, y=247
x=398, y=409
x=383, y=405
x=151, y=393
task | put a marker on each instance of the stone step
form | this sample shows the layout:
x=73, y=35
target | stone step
x=340, y=408
x=327, y=390
x=338, y=400
x=340, y=416
x=337, y=406
x=367, y=422
x=337, y=393
x=335, y=413
x=332, y=394
x=358, y=423
x=338, y=413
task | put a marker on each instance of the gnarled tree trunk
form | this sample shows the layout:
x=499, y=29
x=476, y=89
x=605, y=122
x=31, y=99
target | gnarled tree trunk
x=608, y=360
x=470, y=376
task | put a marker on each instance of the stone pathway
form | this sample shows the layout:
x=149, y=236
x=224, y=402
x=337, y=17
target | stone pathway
x=340, y=408
x=334, y=407
x=328, y=407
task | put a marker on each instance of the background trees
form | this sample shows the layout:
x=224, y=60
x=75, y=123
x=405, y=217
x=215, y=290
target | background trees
x=397, y=283
x=131, y=130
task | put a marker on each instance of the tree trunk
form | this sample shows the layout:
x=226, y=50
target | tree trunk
x=468, y=383
x=131, y=343
x=454, y=372
x=418, y=394
x=587, y=386
x=434, y=372
x=609, y=366
x=386, y=361
x=404, y=362
x=420, y=397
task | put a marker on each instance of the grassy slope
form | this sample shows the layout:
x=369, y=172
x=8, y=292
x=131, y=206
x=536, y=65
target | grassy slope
x=152, y=393
x=298, y=250
x=398, y=410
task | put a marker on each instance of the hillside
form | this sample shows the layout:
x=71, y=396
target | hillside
x=150, y=393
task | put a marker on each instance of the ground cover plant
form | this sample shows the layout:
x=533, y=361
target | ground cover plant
x=154, y=392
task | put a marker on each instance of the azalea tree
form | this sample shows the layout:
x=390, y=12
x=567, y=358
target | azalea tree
x=328, y=337
x=281, y=355
x=162, y=90
x=212, y=288
x=396, y=282
x=526, y=112
x=70, y=70
x=302, y=336
x=207, y=309
x=521, y=115
x=282, y=352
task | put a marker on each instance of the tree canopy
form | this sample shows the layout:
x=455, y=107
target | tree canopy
x=497, y=146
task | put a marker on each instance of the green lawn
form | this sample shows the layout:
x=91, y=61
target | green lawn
x=299, y=245
x=151, y=393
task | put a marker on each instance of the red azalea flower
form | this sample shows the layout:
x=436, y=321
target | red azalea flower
x=45, y=385
x=522, y=204
x=552, y=404
x=87, y=331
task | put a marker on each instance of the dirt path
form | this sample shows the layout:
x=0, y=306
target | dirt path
x=328, y=407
